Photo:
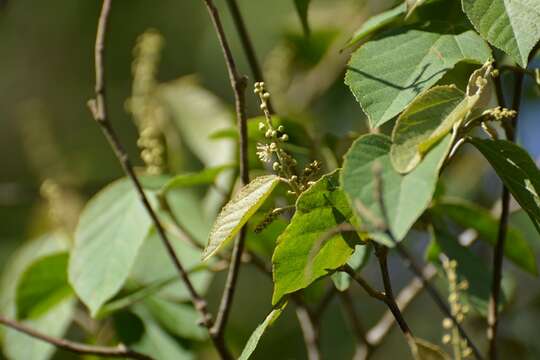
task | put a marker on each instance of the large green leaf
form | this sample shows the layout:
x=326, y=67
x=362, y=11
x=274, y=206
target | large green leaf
x=377, y=22
x=517, y=170
x=110, y=232
x=42, y=286
x=385, y=81
x=405, y=196
x=302, y=254
x=238, y=211
x=302, y=7
x=433, y=114
x=255, y=337
x=468, y=215
x=18, y=346
x=510, y=25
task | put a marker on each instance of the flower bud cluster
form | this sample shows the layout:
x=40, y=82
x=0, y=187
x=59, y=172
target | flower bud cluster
x=458, y=309
x=148, y=113
x=273, y=152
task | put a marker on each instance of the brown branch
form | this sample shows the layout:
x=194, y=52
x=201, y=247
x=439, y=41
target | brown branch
x=498, y=256
x=98, y=107
x=238, y=84
x=362, y=282
x=75, y=347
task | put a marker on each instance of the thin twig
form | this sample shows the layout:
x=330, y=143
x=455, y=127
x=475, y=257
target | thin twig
x=98, y=107
x=75, y=347
x=362, y=282
x=493, y=308
x=238, y=84
x=382, y=254
x=247, y=44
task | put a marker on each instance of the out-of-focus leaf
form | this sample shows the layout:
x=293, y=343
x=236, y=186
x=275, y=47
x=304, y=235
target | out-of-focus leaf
x=238, y=211
x=205, y=177
x=405, y=196
x=198, y=114
x=424, y=350
x=358, y=260
x=111, y=230
x=18, y=346
x=384, y=81
x=302, y=254
x=517, y=170
x=376, y=23
x=179, y=319
x=157, y=342
x=255, y=337
x=302, y=7
x=412, y=5
x=469, y=267
x=468, y=215
x=512, y=26
x=43, y=286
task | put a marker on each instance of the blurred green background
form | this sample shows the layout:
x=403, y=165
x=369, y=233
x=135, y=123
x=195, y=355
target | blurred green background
x=47, y=77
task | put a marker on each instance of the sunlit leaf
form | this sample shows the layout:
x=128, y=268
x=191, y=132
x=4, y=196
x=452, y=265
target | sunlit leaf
x=384, y=81
x=205, y=177
x=424, y=350
x=510, y=25
x=238, y=211
x=302, y=254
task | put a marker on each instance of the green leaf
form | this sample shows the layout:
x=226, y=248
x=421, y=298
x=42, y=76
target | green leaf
x=255, y=337
x=205, y=177
x=468, y=215
x=510, y=25
x=157, y=342
x=238, y=211
x=178, y=319
x=55, y=322
x=376, y=23
x=296, y=261
x=469, y=267
x=405, y=196
x=302, y=7
x=111, y=230
x=384, y=81
x=358, y=260
x=434, y=114
x=517, y=170
x=42, y=286
x=424, y=350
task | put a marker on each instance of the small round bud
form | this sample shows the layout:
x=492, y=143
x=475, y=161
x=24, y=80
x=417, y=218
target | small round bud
x=276, y=166
x=467, y=352
x=268, y=134
x=447, y=323
x=274, y=133
x=261, y=126
x=294, y=178
x=264, y=106
x=281, y=128
x=273, y=146
x=446, y=339
x=266, y=96
x=285, y=137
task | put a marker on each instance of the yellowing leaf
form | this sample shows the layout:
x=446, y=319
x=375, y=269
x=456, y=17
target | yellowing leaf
x=238, y=211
